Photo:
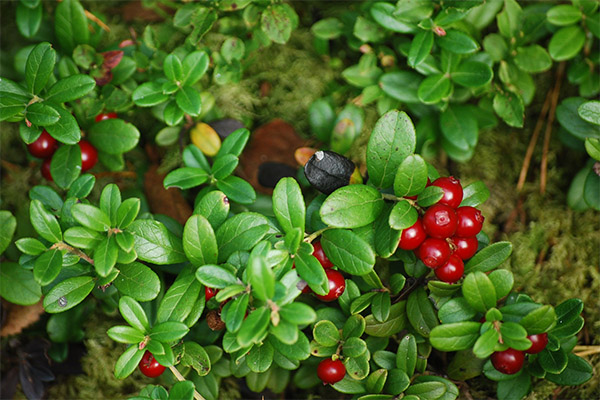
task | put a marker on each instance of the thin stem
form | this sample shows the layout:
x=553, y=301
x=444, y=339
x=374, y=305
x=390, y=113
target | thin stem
x=73, y=250
x=548, y=133
x=588, y=352
x=180, y=378
x=316, y=234
x=97, y=20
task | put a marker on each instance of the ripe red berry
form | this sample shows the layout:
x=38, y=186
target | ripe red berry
x=331, y=371
x=89, y=155
x=452, y=271
x=103, y=116
x=321, y=256
x=434, y=252
x=509, y=361
x=337, y=285
x=453, y=192
x=470, y=221
x=440, y=221
x=45, y=168
x=412, y=237
x=43, y=147
x=538, y=343
x=209, y=293
x=150, y=367
x=466, y=247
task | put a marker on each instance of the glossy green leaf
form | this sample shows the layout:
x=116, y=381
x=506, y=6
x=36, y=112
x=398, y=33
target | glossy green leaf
x=41, y=114
x=398, y=381
x=509, y=106
x=181, y=298
x=475, y=194
x=590, y=112
x=459, y=126
x=154, y=243
x=214, y=206
x=188, y=99
x=533, y=59
x=128, y=362
x=70, y=88
x=68, y=293
x=288, y=205
x=241, y=232
x=311, y=271
x=17, y=284
x=569, y=117
x=455, y=336
x=352, y=206
x=28, y=19
x=137, y=281
x=125, y=334
x=395, y=323
x=127, y=212
x=456, y=310
x=326, y=333
x=503, y=281
x=66, y=130
x=149, y=94
x=406, y=356
x=47, y=267
x=566, y=43
x=91, y=217
x=194, y=67
x=71, y=25
x=254, y=327
x=44, y=223
x=39, y=67
x=66, y=165
x=429, y=196
x=563, y=15
x=114, y=136
x=577, y=372
x=434, y=88
x=489, y=258
x=276, y=24
x=420, y=48
x=472, y=74
x=199, y=241
x=82, y=186
x=237, y=189
x=420, y=312
x=401, y=85
x=457, y=42
x=479, y=291
x=348, y=251
x=411, y=176
x=321, y=117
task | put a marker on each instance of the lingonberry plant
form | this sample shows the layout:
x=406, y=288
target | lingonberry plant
x=380, y=286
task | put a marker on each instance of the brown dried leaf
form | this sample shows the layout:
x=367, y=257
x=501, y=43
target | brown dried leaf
x=169, y=202
x=20, y=317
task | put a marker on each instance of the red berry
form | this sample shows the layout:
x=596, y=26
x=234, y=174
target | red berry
x=434, y=252
x=538, y=343
x=440, y=221
x=470, y=221
x=453, y=192
x=337, y=285
x=466, y=247
x=209, y=293
x=321, y=256
x=89, y=155
x=509, y=361
x=103, y=116
x=149, y=366
x=412, y=237
x=331, y=371
x=45, y=168
x=452, y=271
x=43, y=147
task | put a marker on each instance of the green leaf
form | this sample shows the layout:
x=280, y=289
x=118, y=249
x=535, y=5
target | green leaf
x=182, y=390
x=563, y=15
x=503, y=281
x=71, y=25
x=149, y=94
x=128, y=362
x=352, y=206
x=380, y=306
x=41, y=114
x=28, y=246
x=105, y=256
x=509, y=106
x=66, y=165
x=566, y=43
x=479, y=291
x=194, y=67
x=44, y=223
x=214, y=206
x=8, y=225
x=234, y=143
x=577, y=372
x=39, y=67
x=420, y=48
x=386, y=238
x=276, y=24
x=401, y=86
x=396, y=20
x=394, y=324
x=434, y=88
x=188, y=99
x=321, y=117
x=70, y=88
x=241, y=232
x=66, y=130
x=392, y=140
x=590, y=112
x=475, y=194
x=137, y=281
x=327, y=28
x=10, y=107
x=420, y=312
x=180, y=299
x=403, y=215
x=260, y=358
x=553, y=362
x=354, y=347
x=539, y=320
x=215, y=276
x=82, y=186
x=485, y=345
x=84, y=238
x=173, y=68
x=429, y=196
x=353, y=327
x=459, y=126
x=68, y=293
x=185, y=178
x=533, y=59
x=114, y=136
x=134, y=314
x=233, y=49
x=47, y=267
x=489, y=258
x=457, y=42
x=411, y=176
x=14, y=91
x=455, y=336
x=237, y=189
x=154, y=243
x=234, y=312
x=91, y=217
x=406, y=356
x=367, y=31
x=591, y=191
x=110, y=200
x=348, y=251
x=288, y=205
x=199, y=242
x=224, y=166
x=426, y=390
x=398, y=381
x=568, y=115
x=326, y=333
x=127, y=212
x=260, y=276
x=456, y=310
x=254, y=327
x=17, y=284
x=311, y=270
x=168, y=331
x=472, y=74
x=125, y=334
x=195, y=356
x=29, y=19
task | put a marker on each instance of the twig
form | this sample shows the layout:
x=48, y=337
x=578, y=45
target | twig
x=180, y=378
x=548, y=133
x=73, y=250
x=586, y=350
x=533, y=141
x=97, y=20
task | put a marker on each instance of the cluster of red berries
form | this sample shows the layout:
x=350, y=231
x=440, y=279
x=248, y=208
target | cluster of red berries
x=337, y=283
x=149, y=366
x=445, y=235
x=45, y=146
x=331, y=371
x=510, y=361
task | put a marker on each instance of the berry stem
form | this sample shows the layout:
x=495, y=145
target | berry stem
x=73, y=250
x=393, y=197
x=316, y=234
x=180, y=378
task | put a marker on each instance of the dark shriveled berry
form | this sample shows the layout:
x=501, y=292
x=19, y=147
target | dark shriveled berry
x=328, y=171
